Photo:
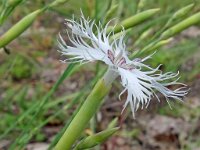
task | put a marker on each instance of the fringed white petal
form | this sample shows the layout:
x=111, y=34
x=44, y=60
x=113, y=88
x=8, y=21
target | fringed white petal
x=142, y=85
x=88, y=46
x=139, y=91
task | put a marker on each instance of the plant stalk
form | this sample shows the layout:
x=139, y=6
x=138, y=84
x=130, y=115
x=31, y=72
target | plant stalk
x=86, y=112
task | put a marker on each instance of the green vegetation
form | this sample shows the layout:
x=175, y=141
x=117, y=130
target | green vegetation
x=37, y=91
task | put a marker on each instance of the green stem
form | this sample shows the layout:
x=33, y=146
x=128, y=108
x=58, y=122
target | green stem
x=86, y=112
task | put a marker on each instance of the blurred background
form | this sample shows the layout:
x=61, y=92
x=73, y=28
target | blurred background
x=30, y=66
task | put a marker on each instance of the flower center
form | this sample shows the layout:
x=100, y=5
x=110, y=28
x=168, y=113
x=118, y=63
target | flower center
x=119, y=61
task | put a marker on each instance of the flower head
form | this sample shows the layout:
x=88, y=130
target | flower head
x=139, y=80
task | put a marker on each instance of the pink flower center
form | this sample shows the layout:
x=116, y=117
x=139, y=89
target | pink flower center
x=119, y=61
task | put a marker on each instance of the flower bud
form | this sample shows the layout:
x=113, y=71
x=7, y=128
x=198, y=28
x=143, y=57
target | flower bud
x=134, y=20
x=96, y=139
x=141, y=5
x=159, y=44
x=19, y=28
x=194, y=19
x=58, y=2
x=143, y=36
x=180, y=13
x=183, y=11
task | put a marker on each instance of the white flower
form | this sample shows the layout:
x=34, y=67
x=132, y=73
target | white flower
x=139, y=80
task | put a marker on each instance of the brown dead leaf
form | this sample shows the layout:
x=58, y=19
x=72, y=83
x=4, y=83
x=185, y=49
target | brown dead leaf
x=164, y=132
x=37, y=146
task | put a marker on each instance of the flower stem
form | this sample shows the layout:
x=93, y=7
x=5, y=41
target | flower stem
x=87, y=110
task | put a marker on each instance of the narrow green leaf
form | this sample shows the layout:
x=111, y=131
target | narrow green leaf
x=113, y=123
x=8, y=8
x=111, y=12
x=37, y=107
